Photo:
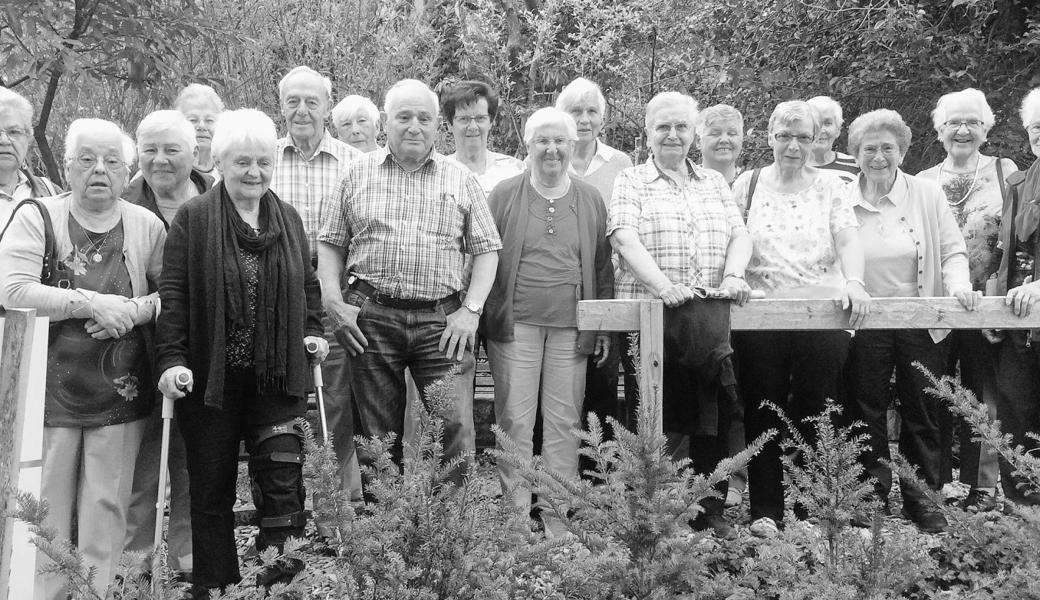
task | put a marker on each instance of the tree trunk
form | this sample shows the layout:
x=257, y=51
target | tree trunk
x=40, y=130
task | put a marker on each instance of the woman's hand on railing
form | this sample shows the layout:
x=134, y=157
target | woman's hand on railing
x=1022, y=298
x=856, y=298
x=969, y=299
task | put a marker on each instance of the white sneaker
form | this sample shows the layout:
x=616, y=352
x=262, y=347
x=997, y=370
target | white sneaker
x=765, y=528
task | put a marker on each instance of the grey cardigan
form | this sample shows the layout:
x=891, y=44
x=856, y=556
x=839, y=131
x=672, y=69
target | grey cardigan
x=508, y=204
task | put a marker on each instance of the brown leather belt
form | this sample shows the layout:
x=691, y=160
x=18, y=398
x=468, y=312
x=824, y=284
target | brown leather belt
x=369, y=291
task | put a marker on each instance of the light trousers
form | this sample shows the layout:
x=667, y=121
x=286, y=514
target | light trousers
x=541, y=366
x=87, y=477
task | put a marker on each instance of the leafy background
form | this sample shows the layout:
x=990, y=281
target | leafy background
x=119, y=59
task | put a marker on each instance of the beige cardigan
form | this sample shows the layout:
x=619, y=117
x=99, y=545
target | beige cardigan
x=21, y=257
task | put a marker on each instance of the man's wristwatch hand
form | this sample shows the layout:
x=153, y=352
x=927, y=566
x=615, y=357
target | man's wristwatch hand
x=473, y=307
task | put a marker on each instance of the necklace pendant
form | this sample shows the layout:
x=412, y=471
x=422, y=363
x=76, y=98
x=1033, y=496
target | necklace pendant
x=97, y=257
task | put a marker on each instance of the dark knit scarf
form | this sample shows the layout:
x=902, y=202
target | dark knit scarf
x=281, y=307
x=1028, y=217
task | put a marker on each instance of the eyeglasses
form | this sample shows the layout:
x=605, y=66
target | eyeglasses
x=89, y=161
x=542, y=142
x=787, y=138
x=466, y=119
x=969, y=123
x=15, y=133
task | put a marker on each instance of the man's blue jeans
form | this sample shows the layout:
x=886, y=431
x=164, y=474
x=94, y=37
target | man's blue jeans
x=399, y=338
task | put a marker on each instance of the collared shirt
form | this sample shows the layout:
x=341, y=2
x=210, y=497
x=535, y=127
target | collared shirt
x=603, y=169
x=497, y=168
x=306, y=183
x=793, y=234
x=889, y=249
x=685, y=229
x=602, y=156
x=22, y=191
x=406, y=232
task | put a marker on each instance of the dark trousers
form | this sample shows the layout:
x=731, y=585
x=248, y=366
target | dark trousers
x=1018, y=405
x=977, y=359
x=874, y=356
x=399, y=338
x=211, y=438
x=797, y=371
x=601, y=396
x=681, y=417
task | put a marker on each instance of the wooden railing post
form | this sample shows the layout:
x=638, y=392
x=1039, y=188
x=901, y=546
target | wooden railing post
x=651, y=354
x=18, y=336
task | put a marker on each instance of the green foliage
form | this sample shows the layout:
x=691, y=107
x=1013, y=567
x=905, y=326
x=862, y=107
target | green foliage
x=429, y=534
x=632, y=521
x=132, y=582
x=126, y=58
x=127, y=48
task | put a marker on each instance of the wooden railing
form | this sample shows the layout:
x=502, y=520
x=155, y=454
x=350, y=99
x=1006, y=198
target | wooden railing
x=787, y=314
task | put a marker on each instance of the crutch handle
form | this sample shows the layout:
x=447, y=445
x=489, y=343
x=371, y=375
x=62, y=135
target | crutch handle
x=181, y=381
x=312, y=349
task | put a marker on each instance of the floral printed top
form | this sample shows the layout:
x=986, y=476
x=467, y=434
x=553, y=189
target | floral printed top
x=90, y=382
x=793, y=233
x=977, y=203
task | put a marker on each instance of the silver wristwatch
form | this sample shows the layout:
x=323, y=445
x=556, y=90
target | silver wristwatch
x=473, y=307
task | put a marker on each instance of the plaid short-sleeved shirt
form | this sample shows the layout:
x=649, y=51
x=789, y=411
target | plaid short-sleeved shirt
x=406, y=232
x=686, y=230
x=307, y=184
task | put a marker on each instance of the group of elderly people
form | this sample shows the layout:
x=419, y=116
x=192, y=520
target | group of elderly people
x=210, y=271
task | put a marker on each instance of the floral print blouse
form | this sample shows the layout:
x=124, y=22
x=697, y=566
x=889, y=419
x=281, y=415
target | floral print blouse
x=793, y=233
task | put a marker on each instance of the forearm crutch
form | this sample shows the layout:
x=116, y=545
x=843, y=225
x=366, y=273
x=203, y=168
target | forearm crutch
x=312, y=349
x=181, y=381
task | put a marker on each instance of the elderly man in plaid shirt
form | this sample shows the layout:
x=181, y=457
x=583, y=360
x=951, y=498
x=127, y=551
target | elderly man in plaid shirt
x=309, y=164
x=401, y=222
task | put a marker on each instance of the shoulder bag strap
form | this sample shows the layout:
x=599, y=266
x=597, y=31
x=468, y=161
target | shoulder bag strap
x=751, y=191
x=1000, y=179
x=50, y=246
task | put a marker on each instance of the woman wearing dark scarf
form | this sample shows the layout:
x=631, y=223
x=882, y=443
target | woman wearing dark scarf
x=1018, y=363
x=239, y=303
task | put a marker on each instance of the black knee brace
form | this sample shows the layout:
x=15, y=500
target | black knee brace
x=276, y=474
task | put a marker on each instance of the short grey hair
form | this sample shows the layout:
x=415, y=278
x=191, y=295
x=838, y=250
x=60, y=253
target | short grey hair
x=825, y=104
x=243, y=126
x=18, y=103
x=881, y=119
x=664, y=98
x=1030, y=111
x=574, y=91
x=198, y=92
x=168, y=120
x=550, y=115
x=967, y=95
x=410, y=86
x=352, y=104
x=81, y=128
x=305, y=70
x=719, y=112
x=793, y=111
